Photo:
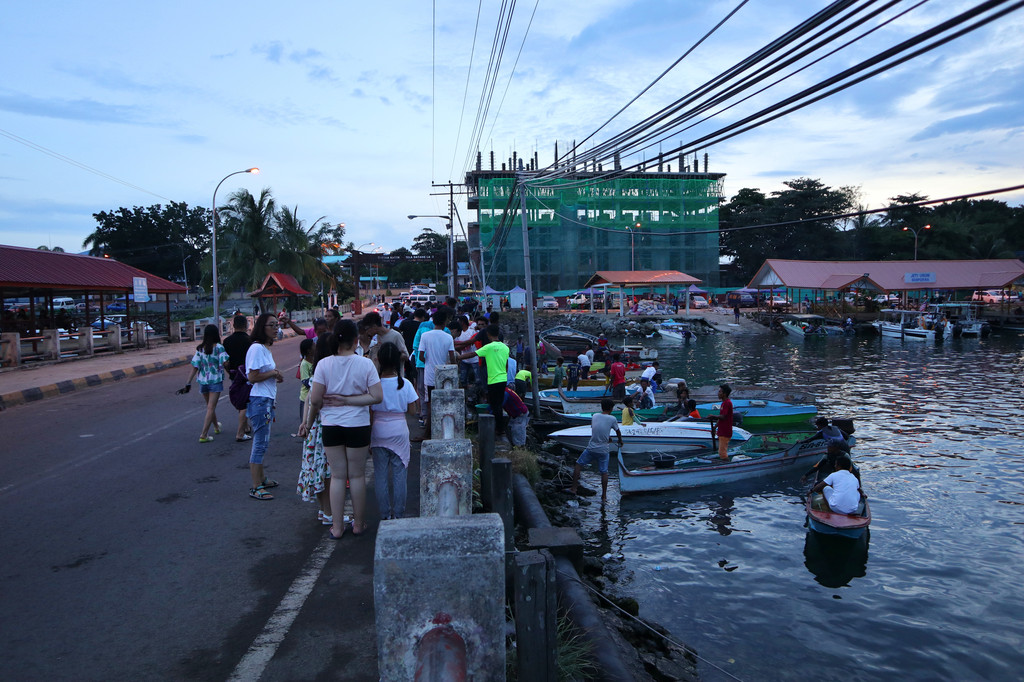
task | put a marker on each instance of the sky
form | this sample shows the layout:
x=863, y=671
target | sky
x=354, y=110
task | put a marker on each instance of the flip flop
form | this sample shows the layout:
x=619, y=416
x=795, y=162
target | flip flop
x=206, y=440
x=260, y=494
x=330, y=533
x=267, y=483
x=243, y=438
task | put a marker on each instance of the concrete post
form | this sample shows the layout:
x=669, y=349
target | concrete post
x=485, y=428
x=10, y=349
x=437, y=581
x=174, y=332
x=501, y=497
x=85, y=341
x=448, y=413
x=139, y=335
x=51, y=344
x=114, y=337
x=536, y=615
x=446, y=376
x=446, y=477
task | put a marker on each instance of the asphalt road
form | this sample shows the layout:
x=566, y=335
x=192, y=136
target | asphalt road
x=132, y=551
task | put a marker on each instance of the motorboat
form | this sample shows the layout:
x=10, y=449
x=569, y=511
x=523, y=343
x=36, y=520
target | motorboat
x=679, y=331
x=803, y=326
x=965, y=318
x=760, y=413
x=908, y=324
x=652, y=414
x=660, y=437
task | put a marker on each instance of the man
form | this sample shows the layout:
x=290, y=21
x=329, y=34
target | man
x=651, y=374
x=724, y=422
x=841, y=488
x=494, y=356
x=396, y=315
x=601, y=426
x=436, y=347
x=584, y=362
x=830, y=433
x=421, y=387
x=523, y=380
x=646, y=398
x=372, y=324
x=237, y=344
x=467, y=368
x=408, y=328
x=518, y=417
x=617, y=373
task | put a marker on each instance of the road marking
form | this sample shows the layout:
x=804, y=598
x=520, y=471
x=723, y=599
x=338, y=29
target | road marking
x=264, y=647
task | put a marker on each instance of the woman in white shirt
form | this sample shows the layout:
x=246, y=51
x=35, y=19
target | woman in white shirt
x=353, y=384
x=263, y=374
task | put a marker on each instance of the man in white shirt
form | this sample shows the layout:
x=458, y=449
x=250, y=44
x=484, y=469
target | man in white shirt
x=649, y=373
x=372, y=324
x=841, y=488
x=585, y=363
x=467, y=368
x=436, y=347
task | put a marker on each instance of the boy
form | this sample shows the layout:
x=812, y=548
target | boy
x=601, y=426
x=646, y=398
x=308, y=351
x=559, y=373
x=841, y=488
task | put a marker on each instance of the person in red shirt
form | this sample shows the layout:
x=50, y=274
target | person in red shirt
x=617, y=372
x=724, y=422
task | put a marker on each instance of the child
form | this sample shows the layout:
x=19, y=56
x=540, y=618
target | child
x=841, y=488
x=315, y=472
x=559, y=373
x=389, y=438
x=691, y=409
x=646, y=394
x=601, y=426
x=628, y=415
x=307, y=349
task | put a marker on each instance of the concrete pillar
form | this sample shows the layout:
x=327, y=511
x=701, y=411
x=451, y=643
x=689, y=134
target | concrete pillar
x=174, y=332
x=446, y=477
x=85, y=342
x=139, y=335
x=448, y=413
x=485, y=428
x=440, y=581
x=51, y=344
x=10, y=349
x=446, y=376
x=114, y=337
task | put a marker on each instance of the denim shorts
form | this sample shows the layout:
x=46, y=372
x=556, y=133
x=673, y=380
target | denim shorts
x=212, y=388
x=589, y=456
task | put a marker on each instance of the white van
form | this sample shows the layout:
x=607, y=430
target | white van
x=421, y=300
x=64, y=303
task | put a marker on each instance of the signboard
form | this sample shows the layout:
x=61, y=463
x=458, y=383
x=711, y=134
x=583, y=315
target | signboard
x=387, y=258
x=919, y=278
x=141, y=288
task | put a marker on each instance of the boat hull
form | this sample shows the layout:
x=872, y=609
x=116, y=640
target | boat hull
x=832, y=523
x=668, y=437
x=763, y=412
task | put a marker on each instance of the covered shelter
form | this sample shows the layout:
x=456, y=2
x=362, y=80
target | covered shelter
x=275, y=286
x=41, y=276
x=639, y=278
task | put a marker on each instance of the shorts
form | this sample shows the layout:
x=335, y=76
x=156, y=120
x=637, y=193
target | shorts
x=618, y=392
x=600, y=457
x=212, y=388
x=347, y=436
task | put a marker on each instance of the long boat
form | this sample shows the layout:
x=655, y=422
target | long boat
x=764, y=455
x=580, y=418
x=662, y=437
x=804, y=326
x=834, y=523
x=758, y=413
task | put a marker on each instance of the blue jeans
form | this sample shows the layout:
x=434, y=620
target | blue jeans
x=394, y=504
x=260, y=412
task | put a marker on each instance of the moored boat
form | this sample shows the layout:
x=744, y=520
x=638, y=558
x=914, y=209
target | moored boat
x=667, y=437
x=680, y=331
x=964, y=318
x=908, y=324
x=803, y=326
x=758, y=413
x=575, y=419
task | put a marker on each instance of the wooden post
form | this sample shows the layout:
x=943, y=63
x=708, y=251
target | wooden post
x=536, y=616
x=485, y=426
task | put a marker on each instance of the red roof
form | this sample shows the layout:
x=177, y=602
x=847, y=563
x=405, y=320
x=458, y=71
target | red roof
x=279, y=284
x=626, y=278
x=22, y=268
x=889, y=275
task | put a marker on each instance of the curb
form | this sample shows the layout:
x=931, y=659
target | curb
x=29, y=395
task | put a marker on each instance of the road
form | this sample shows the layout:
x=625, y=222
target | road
x=132, y=551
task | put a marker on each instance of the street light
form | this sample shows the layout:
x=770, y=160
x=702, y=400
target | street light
x=905, y=228
x=216, y=292
x=451, y=249
x=632, y=253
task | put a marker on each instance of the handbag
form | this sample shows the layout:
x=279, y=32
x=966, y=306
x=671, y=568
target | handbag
x=238, y=393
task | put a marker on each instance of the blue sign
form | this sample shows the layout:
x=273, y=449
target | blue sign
x=919, y=278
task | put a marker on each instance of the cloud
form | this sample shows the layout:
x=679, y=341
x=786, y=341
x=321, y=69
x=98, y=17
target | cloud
x=191, y=139
x=270, y=51
x=111, y=79
x=72, y=110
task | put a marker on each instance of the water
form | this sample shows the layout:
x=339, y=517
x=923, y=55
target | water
x=933, y=593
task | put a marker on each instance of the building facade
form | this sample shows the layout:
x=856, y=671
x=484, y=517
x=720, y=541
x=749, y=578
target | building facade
x=588, y=222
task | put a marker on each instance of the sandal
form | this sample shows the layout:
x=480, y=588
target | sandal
x=243, y=438
x=267, y=483
x=260, y=494
x=205, y=440
x=216, y=427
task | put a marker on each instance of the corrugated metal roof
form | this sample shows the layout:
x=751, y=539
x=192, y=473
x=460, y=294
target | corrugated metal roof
x=890, y=275
x=22, y=268
x=627, y=278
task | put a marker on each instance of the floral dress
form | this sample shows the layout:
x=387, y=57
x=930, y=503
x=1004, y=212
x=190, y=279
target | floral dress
x=315, y=474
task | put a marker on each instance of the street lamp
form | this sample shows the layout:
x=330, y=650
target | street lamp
x=905, y=228
x=451, y=249
x=632, y=253
x=216, y=292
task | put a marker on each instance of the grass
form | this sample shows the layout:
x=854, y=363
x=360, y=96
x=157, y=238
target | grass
x=524, y=462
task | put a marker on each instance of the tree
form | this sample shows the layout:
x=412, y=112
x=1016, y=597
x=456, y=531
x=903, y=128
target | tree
x=247, y=232
x=55, y=249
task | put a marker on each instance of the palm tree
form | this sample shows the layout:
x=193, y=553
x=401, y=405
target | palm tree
x=301, y=249
x=249, y=233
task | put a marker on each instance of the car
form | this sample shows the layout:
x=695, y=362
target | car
x=63, y=303
x=699, y=302
x=578, y=301
x=778, y=302
x=887, y=298
x=990, y=296
x=548, y=303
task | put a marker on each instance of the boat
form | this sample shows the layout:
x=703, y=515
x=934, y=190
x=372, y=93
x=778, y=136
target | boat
x=965, y=318
x=662, y=437
x=763, y=455
x=908, y=324
x=763, y=412
x=577, y=418
x=587, y=398
x=834, y=523
x=567, y=342
x=803, y=326
x=679, y=331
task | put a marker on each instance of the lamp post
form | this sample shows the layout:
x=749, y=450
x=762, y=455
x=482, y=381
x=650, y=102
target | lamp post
x=216, y=290
x=632, y=252
x=905, y=228
x=358, y=266
x=184, y=274
x=451, y=249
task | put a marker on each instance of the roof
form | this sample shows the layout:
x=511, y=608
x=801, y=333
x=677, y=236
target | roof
x=23, y=268
x=625, y=278
x=894, y=275
x=278, y=284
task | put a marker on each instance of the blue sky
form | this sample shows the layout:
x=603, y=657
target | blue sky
x=339, y=106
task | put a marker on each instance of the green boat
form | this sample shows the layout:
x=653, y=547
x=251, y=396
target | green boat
x=757, y=413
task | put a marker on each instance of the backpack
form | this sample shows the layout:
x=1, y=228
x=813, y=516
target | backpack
x=238, y=393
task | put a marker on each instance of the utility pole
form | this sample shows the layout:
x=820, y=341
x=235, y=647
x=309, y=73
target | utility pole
x=530, y=329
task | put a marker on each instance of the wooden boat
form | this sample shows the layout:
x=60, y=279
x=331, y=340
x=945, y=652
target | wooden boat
x=567, y=342
x=804, y=326
x=834, y=523
x=757, y=413
x=763, y=455
x=668, y=437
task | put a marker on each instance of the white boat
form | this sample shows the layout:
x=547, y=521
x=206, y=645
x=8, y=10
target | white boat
x=908, y=324
x=964, y=318
x=670, y=437
x=680, y=331
x=803, y=326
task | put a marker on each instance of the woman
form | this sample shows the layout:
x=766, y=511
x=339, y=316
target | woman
x=389, y=438
x=209, y=363
x=263, y=374
x=315, y=474
x=353, y=383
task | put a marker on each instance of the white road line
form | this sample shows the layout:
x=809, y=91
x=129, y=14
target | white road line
x=264, y=647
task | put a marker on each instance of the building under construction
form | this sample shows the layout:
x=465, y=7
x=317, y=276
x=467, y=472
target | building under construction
x=593, y=219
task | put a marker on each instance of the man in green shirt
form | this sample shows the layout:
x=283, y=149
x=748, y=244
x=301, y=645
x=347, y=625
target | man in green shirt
x=495, y=354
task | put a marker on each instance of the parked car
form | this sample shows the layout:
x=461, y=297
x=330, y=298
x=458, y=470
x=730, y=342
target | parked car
x=883, y=299
x=63, y=303
x=548, y=303
x=991, y=296
x=699, y=302
x=578, y=301
x=778, y=303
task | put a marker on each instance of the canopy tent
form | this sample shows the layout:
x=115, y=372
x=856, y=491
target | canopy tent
x=694, y=289
x=517, y=297
x=640, y=278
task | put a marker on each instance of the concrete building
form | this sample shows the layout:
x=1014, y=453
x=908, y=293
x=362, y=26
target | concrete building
x=596, y=220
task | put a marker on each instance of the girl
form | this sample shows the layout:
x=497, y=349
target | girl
x=353, y=383
x=315, y=474
x=263, y=374
x=389, y=439
x=628, y=415
x=209, y=363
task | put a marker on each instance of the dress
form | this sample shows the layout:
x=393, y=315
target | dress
x=315, y=474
